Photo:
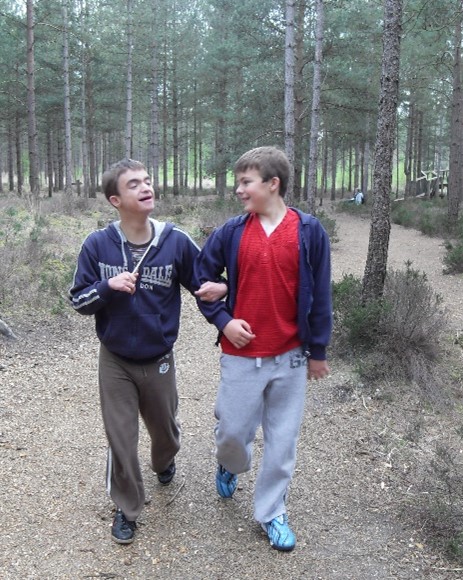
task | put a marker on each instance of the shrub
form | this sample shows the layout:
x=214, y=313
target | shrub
x=330, y=226
x=453, y=260
x=402, y=215
x=395, y=337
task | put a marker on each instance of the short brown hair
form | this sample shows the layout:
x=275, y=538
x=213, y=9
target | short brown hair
x=270, y=162
x=111, y=176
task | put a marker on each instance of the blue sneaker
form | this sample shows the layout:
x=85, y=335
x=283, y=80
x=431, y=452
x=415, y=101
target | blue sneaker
x=225, y=482
x=280, y=534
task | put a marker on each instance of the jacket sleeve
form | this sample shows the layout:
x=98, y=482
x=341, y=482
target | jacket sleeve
x=186, y=253
x=210, y=264
x=321, y=313
x=89, y=293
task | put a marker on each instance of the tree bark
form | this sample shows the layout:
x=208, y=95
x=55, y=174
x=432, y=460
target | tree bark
x=129, y=101
x=154, y=146
x=67, y=105
x=175, y=122
x=376, y=264
x=299, y=90
x=289, y=94
x=455, y=181
x=31, y=108
x=315, y=117
x=10, y=161
x=19, y=165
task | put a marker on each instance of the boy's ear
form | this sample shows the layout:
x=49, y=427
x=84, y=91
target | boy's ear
x=115, y=200
x=274, y=183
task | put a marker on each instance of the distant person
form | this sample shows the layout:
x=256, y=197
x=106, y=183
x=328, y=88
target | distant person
x=359, y=198
x=274, y=328
x=129, y=276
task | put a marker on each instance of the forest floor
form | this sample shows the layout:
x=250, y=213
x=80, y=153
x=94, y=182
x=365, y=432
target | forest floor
x=354, y=502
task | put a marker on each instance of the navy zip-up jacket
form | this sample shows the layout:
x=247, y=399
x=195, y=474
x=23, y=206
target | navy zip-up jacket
x=315, y=317
x=144, y=325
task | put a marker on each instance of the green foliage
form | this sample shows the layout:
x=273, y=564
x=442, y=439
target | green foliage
x=330, y=226
x=398, y=336
x=37, y=255
x=453, y=260
x=345, y=206
x=402, y=215
x=427, y=216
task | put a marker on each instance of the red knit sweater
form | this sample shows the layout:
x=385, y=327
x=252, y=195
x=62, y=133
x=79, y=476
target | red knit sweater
x=267, y=287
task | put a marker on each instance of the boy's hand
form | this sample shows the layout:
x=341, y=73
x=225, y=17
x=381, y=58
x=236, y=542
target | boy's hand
x=318, y=369
x=211, y=291
x=238, y=332
x=125, y=282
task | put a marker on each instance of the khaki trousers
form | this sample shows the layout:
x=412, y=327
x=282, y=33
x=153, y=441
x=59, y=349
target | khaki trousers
x=128, y=389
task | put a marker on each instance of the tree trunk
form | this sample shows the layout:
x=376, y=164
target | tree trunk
x=366, y=158
x=289, y=94
x=10, y=159
x=31, y=113
x=456, y=134
x=50, y=160
x=221, y=167
x=90, y=108
x=409, y=151
x=84, y=55
x=19, y=165
x=175, y=121
x=299, y=90
x=195, y=138
x=154, y=146
x=67, y=105
x=334, y=163
x=165, y=182
x=376, y=265
x=315, y=117
x=128, y=110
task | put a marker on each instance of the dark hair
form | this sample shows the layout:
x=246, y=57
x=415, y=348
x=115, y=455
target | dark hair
x=269, y=161
x=111, y=176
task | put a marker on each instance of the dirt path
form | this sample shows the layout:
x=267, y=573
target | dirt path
x=426, y=255
x=348, y=502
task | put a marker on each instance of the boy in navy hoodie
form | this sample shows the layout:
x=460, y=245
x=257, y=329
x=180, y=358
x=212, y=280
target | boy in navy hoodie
x=128, y=276
x=274, y=326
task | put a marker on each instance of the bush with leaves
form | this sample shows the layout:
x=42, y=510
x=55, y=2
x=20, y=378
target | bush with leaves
x=396, y=337
x=453, y=260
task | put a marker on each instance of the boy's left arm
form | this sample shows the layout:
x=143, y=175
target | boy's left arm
x=321, y=315
x=209, y=291
x=318, y=369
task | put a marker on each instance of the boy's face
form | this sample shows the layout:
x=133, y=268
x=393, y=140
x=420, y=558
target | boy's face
x=256, y=195
x=136, y=193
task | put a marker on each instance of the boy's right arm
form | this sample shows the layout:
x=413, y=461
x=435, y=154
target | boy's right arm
x=89, y=292
x=210, y=265
x=238, y=332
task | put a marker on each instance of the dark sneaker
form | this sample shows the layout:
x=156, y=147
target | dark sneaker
x=122, y=530
x=225, y=482
x=280, y=534
x=165, y=477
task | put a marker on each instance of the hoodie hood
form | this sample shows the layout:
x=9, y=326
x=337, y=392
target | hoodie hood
x=161, y=232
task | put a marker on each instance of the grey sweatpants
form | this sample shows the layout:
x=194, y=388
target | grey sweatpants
x=127, y=389
x=269, y=392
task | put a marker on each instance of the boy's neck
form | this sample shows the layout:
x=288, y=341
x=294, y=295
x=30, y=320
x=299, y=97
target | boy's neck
x=272, y=217
x=137, y=231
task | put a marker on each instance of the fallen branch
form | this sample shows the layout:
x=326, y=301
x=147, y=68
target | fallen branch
x=6, y=330
x=175, y=494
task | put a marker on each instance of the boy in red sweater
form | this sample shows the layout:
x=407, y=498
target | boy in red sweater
x=274, y=326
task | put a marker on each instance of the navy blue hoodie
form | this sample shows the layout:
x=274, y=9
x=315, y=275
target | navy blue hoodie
x=143, y=325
